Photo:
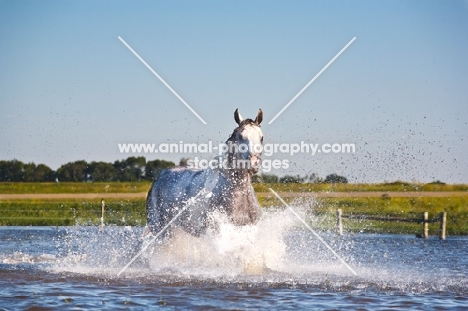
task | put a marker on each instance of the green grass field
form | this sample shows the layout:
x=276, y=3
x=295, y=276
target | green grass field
x=321, y=212
x=143, y=186
x=384, y=187
x=70, y=212
x=74, y=187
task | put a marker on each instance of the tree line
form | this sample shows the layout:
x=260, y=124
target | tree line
x=130, y=169
x=289, y=179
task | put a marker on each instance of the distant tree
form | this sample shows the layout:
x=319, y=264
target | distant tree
x=11, y=170
x=73, y=171
x=102, y=171
x=28, y=172
x=17, y=171
x=437, y=182
x=335, y=179
x=130, y=169
x=314, y=178
x=44, y=173
x=154, y=168
x=269, y=178
x=41, y=172
x=289, y=179
x=183, y=161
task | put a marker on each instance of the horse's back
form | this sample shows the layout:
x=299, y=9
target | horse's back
x=169, y=193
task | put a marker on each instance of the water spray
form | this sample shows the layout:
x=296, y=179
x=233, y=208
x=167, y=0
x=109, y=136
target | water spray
x=203, y=194
x=313, y=231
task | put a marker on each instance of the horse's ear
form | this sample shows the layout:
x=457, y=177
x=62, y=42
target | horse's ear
x=259, y=117
x=238, y=117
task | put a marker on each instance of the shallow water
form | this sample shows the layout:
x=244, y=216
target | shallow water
x=275, y=264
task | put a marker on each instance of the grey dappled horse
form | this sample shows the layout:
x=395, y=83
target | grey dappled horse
x=229, y=182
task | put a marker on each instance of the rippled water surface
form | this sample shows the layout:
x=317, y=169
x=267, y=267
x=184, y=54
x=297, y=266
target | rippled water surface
x=275, y=264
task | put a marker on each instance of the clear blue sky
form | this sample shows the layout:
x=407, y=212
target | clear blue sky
x=70, y=90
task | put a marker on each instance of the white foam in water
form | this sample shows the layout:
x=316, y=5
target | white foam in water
x=228, y=250
x=89, y=250
x=20, y=257
x=225, y=250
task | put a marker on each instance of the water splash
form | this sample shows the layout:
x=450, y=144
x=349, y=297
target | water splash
x=227, y=250
x=275, y=250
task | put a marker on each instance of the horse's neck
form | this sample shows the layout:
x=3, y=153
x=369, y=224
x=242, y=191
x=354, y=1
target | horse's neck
x=240, y=178
x=237, y=174
x=242, y=205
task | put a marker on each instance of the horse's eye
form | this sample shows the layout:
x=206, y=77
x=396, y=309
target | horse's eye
x=261, y=140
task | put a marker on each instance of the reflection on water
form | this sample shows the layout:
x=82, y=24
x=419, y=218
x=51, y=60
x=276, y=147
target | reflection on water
x=272, y=264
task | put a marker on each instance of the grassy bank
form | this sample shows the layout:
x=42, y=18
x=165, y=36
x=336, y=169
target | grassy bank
x=383, y=187
x=320, y=211
x=323, y=212
x=71, y=212
x=74, y=187
x=143, y=186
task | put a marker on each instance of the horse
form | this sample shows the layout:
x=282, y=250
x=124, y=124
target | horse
x=228, y=183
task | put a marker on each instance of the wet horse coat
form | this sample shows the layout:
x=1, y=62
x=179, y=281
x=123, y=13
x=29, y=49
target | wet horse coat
x=230, y=185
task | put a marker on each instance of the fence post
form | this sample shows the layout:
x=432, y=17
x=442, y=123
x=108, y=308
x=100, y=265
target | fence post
x=103, y=205
x=339, y=223
x=443, y=225
x=426, y=225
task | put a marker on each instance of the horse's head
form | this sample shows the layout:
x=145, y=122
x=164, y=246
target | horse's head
x=245, y=144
